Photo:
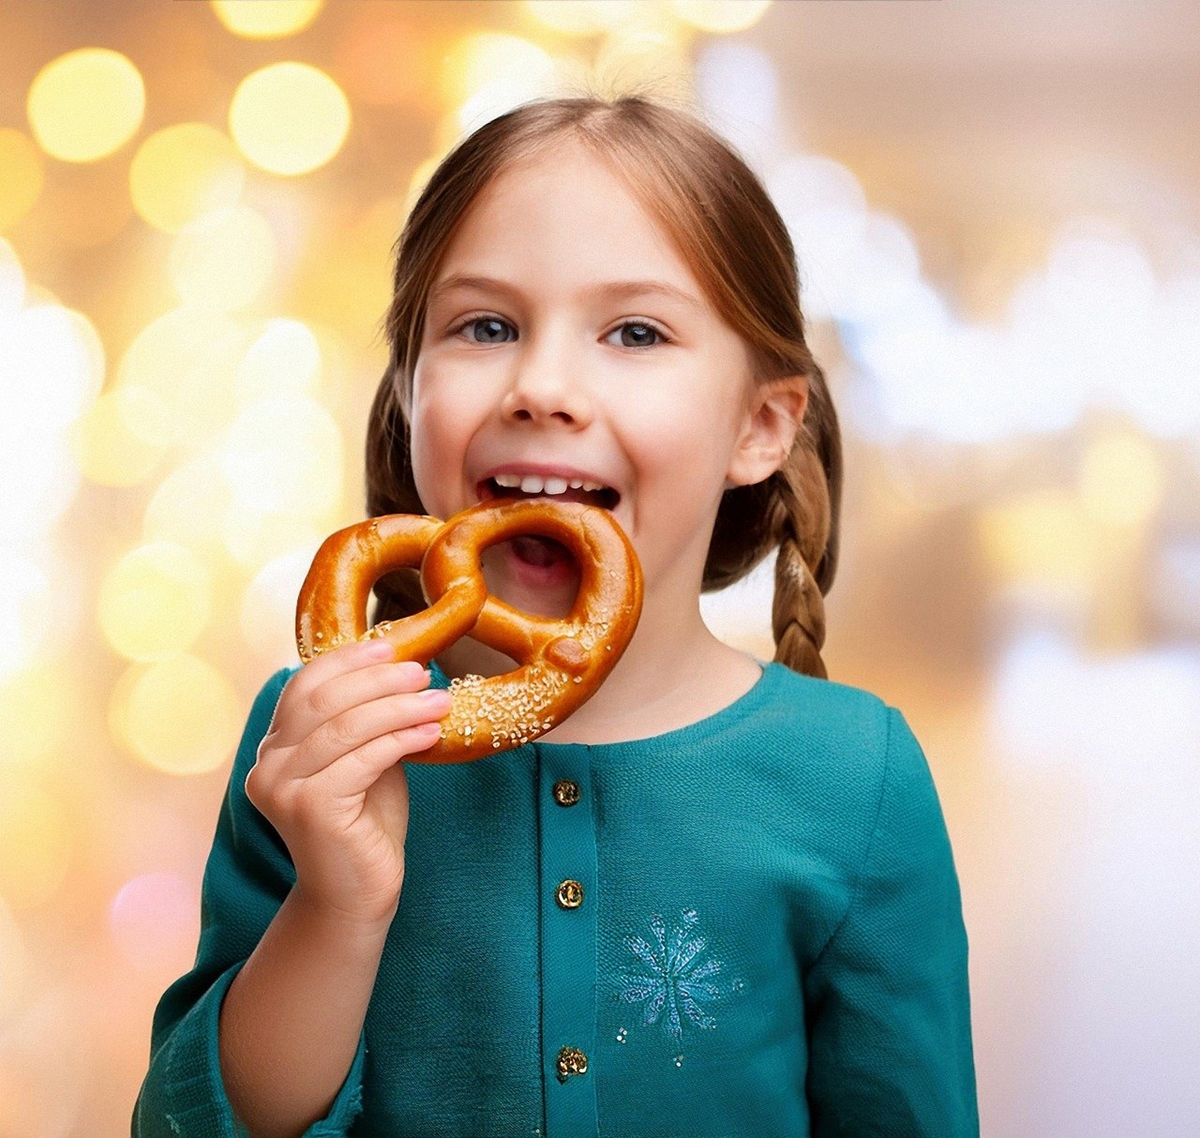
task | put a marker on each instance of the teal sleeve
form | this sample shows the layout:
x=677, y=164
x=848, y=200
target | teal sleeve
x=889, y=1016
x=246, y=879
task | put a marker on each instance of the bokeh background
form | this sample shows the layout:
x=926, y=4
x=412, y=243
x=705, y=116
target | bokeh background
x=997, y=209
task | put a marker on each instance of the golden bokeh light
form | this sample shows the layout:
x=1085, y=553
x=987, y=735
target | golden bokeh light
x=190, y=507
x=155, y=601
x=266, y=19
x=123, y=436
x=51, y=367
x=223, y=260
x=24, y=175
x=253, y=537
x=179, y=715
x=183, y=171
x=347, y=281
x=25, y=611
x=487, y=57
x=1122, y=480
x=490, y=72
x=188, y=357
x=342, y=375
x=35, y=708
x=12, y=281
x=268, y=610
x=86, y=104
x=284, y=455
x=289, y=118
x=584, y=17
x=720, y=16
x=35, y=845
x=284, y=359
x=1042, y=539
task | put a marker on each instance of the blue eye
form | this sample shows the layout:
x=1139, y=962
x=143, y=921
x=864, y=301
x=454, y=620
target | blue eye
x=488, y=330
x=638, y=335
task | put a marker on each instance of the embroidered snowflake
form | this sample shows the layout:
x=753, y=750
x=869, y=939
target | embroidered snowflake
x=681, y=980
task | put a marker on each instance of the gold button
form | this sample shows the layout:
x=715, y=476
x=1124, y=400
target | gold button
x=566, y=792
x=569, y=894
x=571, y=1061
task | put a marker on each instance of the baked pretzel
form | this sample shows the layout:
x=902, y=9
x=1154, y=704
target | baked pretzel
x=561, y=662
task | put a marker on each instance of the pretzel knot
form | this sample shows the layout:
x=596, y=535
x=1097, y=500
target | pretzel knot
x=560, y=662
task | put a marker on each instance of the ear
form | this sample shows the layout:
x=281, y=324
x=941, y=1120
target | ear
x=773, y=417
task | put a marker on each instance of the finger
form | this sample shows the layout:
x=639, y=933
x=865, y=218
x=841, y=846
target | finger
x=344, y=658
x=362, y=723
x=328, y=666
x=307, y=705
x=357, y=771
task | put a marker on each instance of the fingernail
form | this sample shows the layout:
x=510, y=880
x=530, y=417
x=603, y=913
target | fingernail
x=379, y=649
x=433, y=695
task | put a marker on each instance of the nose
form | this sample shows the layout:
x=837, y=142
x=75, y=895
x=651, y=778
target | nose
x=547, y=389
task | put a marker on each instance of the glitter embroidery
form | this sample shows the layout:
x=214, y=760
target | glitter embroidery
x=681, y=978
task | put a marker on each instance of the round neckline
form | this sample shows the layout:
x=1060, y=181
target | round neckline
x=745, y=704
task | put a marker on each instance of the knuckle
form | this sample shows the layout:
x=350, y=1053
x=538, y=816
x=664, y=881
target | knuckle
x=340, y=734
x=263, y=784
x=261, y=776
x=319, y=703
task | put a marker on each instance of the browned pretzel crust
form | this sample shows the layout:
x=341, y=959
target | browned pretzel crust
x=561, y=663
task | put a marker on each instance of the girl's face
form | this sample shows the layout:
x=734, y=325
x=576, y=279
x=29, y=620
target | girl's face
x=568, y=351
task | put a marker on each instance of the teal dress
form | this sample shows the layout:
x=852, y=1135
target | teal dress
x=750, y=926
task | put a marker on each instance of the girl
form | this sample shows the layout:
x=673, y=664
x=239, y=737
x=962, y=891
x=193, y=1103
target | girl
x=719, y=900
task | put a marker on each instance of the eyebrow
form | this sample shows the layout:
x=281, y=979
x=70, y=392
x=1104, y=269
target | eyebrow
x=608, y=290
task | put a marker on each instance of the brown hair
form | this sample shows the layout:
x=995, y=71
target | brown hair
x=717, y=211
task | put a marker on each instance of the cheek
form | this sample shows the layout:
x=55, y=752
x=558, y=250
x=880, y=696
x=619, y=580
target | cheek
x=436, y=454
x=695, y=434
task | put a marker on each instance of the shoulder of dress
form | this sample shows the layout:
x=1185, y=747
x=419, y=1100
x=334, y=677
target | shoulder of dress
x=828, y=738
x=838, y=706
x=813, y=757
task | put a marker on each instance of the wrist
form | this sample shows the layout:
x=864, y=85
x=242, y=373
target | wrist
x=366, y=920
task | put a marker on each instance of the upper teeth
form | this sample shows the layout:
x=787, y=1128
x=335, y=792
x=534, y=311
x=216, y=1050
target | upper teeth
x=536, y=484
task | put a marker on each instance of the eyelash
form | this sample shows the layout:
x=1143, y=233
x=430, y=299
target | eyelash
x=663, y=338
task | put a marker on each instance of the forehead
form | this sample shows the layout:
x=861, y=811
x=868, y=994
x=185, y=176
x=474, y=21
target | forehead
x=563, y=215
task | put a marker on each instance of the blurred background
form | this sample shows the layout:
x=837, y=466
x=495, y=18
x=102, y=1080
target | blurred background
x=997, y=211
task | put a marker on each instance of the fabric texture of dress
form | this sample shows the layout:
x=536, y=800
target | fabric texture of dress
x=746, y=928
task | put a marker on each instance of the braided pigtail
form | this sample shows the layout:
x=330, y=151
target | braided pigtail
x=798, y=608
x=805, y=500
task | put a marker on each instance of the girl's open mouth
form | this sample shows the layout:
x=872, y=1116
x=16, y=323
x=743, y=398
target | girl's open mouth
x=542, y=562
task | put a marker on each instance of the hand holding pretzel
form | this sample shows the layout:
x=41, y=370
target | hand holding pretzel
x=561, y=663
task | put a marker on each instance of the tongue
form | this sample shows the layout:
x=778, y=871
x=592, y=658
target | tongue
x=540, y=551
